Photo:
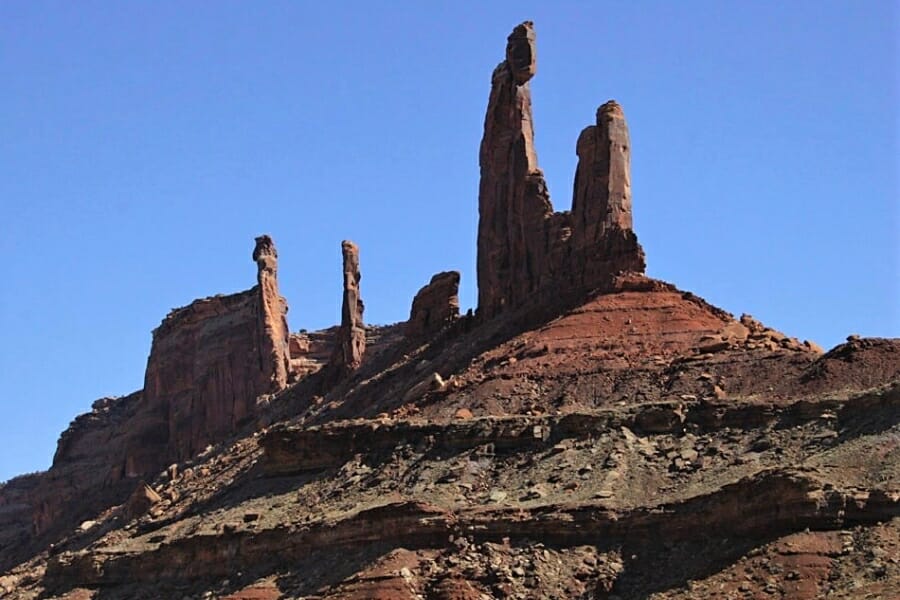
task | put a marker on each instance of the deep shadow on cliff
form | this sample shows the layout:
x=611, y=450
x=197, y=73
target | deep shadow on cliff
x=586, y=432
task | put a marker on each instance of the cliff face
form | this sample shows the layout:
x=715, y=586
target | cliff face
x=86, y=478
x=526, y=252
x=208, y=364
x=203, y=374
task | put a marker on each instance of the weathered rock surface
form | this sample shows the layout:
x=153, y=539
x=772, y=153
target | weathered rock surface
x=87, y=474
x=603, y=243
x=272, y=314
x=208, y=363
x=16, y=526
x=435, y=306
x=512, y=200
x=526, y=252
x=612, y=512
x=351, y=343
x=141, y=500
x=311, y=351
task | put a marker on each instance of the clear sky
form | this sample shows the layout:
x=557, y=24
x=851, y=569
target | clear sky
x=143, y=145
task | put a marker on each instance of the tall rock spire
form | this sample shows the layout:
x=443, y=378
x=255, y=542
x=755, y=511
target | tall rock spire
x=526, y=252
x=351, y=343
x=512, y=196
x=273, y=328
x=603, y=179
x=603, y=242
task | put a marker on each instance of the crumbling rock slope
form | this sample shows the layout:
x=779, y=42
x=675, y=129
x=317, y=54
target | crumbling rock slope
x=588, y=432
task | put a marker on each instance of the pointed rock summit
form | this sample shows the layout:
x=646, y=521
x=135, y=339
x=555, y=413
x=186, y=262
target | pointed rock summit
x=521, y=55
x=526, y=251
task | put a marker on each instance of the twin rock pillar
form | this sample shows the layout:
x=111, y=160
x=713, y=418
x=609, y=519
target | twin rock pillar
x=526, y=251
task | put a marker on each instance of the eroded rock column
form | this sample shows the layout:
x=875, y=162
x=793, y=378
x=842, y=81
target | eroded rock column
x=351, y=343
x=603, y=242
x=274, y=335
x=512, y=198
x=209, y=362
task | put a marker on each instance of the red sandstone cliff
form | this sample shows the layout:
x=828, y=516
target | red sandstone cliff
x=208, y=364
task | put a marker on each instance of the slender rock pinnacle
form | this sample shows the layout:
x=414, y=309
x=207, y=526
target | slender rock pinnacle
x=351, y=343
x=273, y=328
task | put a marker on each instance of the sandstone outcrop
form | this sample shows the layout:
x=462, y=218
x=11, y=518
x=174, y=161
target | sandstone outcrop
x=209, y=361
x=87, y=472
x=351, y=342
x=435, y=305
x=527, y=252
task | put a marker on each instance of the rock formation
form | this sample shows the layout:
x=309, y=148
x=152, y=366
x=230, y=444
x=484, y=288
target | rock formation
x=640, y=444
x=272, y=313
x=208, y=363
x=351, y=342
x=603, y=243
x=525, y=250
x=435, y=305
x=310, y=351
x=513, y=201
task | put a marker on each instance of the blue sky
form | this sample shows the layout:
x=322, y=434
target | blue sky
x=144, y=145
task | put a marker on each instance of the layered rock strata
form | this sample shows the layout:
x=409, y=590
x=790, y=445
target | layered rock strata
x=351, y=342
x=540, y=479
x=526, y=251
x=435, y=305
